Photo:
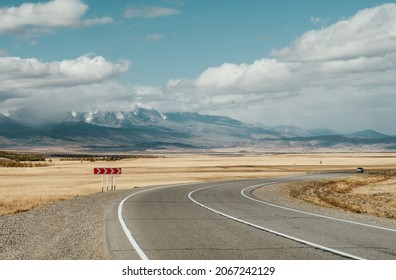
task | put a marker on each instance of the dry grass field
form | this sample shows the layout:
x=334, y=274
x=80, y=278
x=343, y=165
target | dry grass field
x=24, y=188
x=366, y=194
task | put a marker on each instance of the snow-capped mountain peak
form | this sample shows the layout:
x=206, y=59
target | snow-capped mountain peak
x=120, y=115
x=88, y=117
x=118, y=119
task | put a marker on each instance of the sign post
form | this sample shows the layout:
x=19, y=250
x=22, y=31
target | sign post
x=105, y=172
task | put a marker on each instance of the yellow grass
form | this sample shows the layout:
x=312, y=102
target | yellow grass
x=24, y=188
x=373, y=194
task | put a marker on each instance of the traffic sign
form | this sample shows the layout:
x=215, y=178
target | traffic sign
x=106, y=171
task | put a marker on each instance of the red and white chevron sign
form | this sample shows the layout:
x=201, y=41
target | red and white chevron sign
x=110, y=171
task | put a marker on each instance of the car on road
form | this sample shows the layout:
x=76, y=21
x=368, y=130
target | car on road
x=360, y=170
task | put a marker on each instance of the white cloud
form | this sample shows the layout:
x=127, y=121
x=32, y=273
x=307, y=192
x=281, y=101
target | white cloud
x=150, y=12
x=316, y=20
x=325, y=76
x=49, y=15
x=153, y=37
x=19, y=73
x=262, y=75
x=319, y=20
x=96, y=21
x=108, y=95
x=370, y=32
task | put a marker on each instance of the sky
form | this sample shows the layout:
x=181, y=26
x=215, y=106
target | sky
x=311, y=64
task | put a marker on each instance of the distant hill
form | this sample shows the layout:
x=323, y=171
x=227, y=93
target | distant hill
x=144, y=129
x=367, y=134
x=322, y=132
x=10, y=128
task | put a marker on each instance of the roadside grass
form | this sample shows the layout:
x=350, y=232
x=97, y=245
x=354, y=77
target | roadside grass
x=13, y=206
x=4, y=162
x=343, y=194
x=25, y=203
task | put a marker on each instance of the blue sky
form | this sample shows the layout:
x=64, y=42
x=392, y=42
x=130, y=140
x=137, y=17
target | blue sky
x=202, y=34
x=252, y=60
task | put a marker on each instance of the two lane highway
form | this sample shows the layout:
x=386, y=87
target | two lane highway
x=221, y=220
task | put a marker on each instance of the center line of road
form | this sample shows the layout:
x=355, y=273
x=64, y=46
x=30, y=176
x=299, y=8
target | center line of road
x=305, y=242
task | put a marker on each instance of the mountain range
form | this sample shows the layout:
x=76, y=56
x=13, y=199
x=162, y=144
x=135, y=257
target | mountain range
x=144, y=129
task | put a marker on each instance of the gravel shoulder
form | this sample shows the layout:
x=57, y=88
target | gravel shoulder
x=68, y=230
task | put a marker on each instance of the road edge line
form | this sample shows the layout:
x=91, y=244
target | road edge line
x=252, y=188
x=127, y=232
x=139, y=250
x=311, y=244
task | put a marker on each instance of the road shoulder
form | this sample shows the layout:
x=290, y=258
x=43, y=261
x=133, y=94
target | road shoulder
x=67, y=230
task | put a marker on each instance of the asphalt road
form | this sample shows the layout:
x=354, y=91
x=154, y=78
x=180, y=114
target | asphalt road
x=221, y=220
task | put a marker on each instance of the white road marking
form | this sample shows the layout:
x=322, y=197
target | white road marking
x=311, y=244
x=127, y=232
x=304, y=212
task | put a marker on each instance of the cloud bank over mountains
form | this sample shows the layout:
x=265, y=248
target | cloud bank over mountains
x=339, y=75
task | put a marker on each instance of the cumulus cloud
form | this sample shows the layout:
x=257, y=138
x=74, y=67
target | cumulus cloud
x=18, y=73
x=350, y=51
x=327, y=71
x=262, y=75
x=371, y=32
x=149, y=12
x=49, y=15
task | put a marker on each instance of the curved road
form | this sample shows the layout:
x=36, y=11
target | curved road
x=221, y=220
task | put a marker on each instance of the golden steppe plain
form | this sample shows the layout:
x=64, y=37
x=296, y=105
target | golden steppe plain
x=25, y=188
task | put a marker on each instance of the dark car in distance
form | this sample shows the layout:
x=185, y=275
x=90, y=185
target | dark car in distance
x=360, y=170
